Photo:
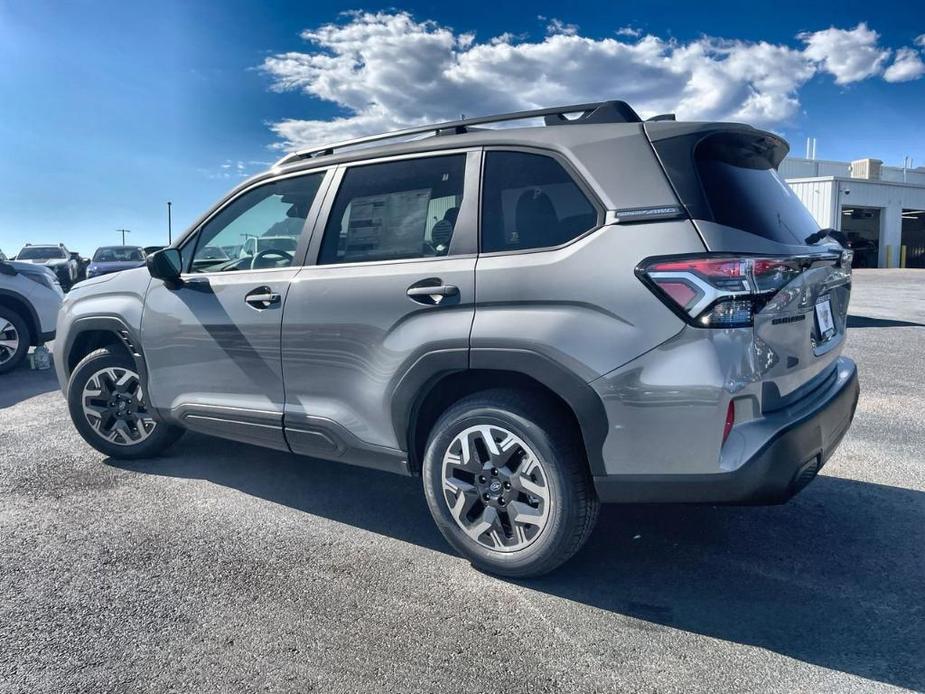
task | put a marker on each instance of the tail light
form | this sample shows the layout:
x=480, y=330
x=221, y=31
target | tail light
x=720, y=291
x=730, y=420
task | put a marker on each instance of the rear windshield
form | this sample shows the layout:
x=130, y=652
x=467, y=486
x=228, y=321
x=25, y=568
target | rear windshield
x=744, y=190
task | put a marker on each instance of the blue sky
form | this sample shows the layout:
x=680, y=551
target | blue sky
x=109, y=109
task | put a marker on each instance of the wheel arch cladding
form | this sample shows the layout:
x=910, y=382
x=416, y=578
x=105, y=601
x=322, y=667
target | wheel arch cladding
x=423, y=396
x=89, y=334
x=17, y=303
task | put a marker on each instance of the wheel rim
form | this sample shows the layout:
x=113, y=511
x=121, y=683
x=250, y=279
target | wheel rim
x=114, y=405
x=9, y=340
x=496, y=488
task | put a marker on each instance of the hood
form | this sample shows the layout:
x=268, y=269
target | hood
x=29, y=266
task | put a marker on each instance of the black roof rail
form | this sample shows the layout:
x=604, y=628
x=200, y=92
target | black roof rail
x=662, y=116
x=598, y=112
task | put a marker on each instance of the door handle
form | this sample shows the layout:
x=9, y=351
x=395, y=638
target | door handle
x=431, y=291
x=262, y=297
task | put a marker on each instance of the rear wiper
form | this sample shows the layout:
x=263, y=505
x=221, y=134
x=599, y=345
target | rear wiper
x=818, y=236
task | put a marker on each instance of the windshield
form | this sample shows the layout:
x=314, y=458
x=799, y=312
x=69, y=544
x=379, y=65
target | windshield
x=41, y=253
x=118, y=254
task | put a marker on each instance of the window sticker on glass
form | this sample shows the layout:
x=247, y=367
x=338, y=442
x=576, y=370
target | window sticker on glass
x=395, y=221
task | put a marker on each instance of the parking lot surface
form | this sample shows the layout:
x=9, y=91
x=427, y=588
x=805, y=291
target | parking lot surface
x=222, y=567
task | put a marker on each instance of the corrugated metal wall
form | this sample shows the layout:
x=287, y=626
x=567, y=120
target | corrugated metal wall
x=818, y=198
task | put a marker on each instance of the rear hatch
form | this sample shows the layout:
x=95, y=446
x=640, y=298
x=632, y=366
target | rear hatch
x=767, y=265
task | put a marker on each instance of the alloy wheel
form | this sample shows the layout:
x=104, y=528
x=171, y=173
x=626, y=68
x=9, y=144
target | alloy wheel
x=496, y=488
x=114, y=404
x=9, y=340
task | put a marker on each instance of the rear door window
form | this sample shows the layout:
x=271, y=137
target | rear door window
x=531, y=201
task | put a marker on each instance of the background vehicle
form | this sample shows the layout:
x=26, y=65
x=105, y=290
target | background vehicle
x=30, y=297
x=82, y=264
x=114, y=259
x=152, y=249
x=2, y=255
x=516, y=315
x=57, y=258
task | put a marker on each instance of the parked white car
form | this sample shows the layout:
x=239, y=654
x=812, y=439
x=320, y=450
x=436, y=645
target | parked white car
x=57, y=258
x=30, y=297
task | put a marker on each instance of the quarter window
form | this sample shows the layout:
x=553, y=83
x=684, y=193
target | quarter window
x=258, y=230
x=531, y=201
x=393, y=210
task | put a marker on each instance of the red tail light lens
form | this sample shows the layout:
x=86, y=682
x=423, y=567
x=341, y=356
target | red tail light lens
x=730, y=420
x=720, y=291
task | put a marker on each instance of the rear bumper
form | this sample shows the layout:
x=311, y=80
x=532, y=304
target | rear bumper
x=804, y=438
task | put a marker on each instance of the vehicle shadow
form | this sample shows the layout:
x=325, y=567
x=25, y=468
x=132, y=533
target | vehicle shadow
x=868, y=322
x=24, y=383
x=835, y=578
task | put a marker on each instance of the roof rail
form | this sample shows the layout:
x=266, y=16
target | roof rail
x=597, y=112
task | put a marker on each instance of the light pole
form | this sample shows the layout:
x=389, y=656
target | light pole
x=124, y=232
x=169, y=224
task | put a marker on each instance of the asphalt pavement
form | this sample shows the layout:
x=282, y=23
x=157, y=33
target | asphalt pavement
x=223, y=567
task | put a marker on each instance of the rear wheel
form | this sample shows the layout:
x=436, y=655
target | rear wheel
x=15, y=338
x=109, y=407
x=508, y=484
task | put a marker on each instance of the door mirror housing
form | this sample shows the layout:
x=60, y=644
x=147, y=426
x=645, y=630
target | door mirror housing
x=166, y=265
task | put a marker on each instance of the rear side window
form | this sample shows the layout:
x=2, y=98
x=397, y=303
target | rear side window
x=395, y=210
x=744, y=190
x=531, y=201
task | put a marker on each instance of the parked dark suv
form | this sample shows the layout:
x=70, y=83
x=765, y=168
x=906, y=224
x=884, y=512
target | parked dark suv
x=535, y=320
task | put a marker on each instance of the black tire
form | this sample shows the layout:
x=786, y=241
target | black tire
x=158, y=440
x=539, y=423
x=24, y=335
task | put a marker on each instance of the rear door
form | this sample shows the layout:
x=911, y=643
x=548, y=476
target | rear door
x=212, y=345
x=389, y=284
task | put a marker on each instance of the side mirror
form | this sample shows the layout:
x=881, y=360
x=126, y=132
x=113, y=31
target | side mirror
x=166, y=265
x=7, y=269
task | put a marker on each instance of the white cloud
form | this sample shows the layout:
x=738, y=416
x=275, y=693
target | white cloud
x=906, y=66
x=557, y=26
x=389, y=70
x=919, y=41
x=850, y=55
x=628, y=31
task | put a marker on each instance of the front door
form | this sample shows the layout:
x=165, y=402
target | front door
x=212, y=345
x=394, y=283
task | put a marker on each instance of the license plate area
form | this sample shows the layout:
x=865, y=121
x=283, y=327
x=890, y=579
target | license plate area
x=825, y=322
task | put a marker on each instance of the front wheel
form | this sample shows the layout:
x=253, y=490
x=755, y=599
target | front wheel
x=109, y=407
x=508, y=483
x=14, y=339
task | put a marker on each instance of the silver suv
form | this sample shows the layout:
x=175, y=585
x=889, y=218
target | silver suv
x=535, y=320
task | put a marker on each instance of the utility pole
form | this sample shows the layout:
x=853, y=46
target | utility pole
x=124, y=232
x=169, y=224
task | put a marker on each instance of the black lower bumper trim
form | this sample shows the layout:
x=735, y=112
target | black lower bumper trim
x=786, y=463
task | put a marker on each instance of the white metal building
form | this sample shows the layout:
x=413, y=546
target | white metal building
x=880, y=209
